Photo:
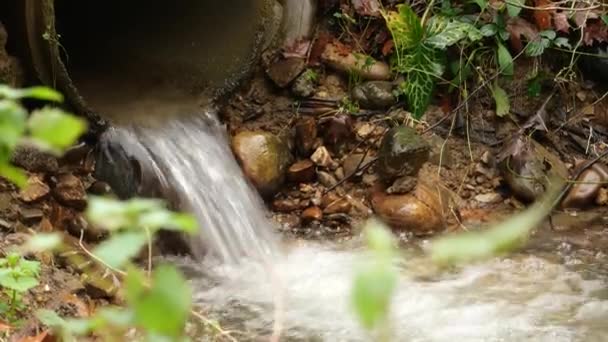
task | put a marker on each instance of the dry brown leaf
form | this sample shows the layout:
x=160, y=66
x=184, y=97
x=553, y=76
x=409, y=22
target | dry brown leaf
x=560, y=22
x=543, y=17
x=518, y=27
x=367, y=7
x=581, y=17
x=596, y=31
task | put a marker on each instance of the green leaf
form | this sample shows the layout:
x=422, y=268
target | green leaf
x=489, y=30
x=376, y=279
x=444, y=32
x=534, y=87
x=422, y=68
x=39, y=93
x=120, y=248
x=12, y=124
x=498, y=239
x=515, y=7
x=537, y=47
x=116, y=316
x=505, y=61
x=50, y=318
x=502, y=100
x=405, y=27
x=42, y=93
x=20, y=284
x=166, y=307
x=54, y=129
x=562, y=42
x=42, y=242
x=13, y=174
x=549, y=34
x=605, y=18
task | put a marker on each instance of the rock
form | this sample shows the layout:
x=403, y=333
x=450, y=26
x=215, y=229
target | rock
x=30, y=215
x=374, y=95
x=264, y=159
x=339, y=173
x=353, y=161
x=306, y=134
x=487, y=158
x=420, y=212
x=402, y=153
x=528, y=170
x=301, y=172
x=321, y=157
x=70, y=191
x=305, y=84
x=402, y=185
x=285, y=70
x=337, y=130
x=341, y=205
x=490, y=198
x=285, y=205
x=34, y=190
x=440, y=153
x=338, y=57
x=369, y=8
x=34, y=160
x=100, y=188
x=602, y=197
x=312, y=214
x=327, y=179
x=585, y=192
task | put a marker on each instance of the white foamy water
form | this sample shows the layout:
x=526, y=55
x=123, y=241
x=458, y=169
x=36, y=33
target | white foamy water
x=520, y=298
x=190, y=160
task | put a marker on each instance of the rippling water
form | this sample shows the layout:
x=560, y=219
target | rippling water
x=522, y=297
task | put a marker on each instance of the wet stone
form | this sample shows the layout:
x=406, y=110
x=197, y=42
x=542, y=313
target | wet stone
x=354, y=161
x=34, y=190
x=586, y=190
x=264, y=159
x=341, y=205
x=70, y=191
x=284, y=71
x=285, y=205
x=490, y=198
x=306, y=134
x=30, y=215
x=374, y=95
x=312, y=214
x=327, y=179
x=337, y=130
x=321, y=157
x=402, y=185
x=402, y=153
x=302, y=171
x=304, y=85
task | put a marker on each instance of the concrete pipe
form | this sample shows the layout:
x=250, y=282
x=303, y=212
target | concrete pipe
x=145, y=58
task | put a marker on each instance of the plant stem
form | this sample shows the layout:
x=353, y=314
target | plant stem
x=427, y=11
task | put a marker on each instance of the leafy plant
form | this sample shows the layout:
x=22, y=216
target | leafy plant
x=48, y=128
x=420, y=51
x=17, y=276
x=375, y=280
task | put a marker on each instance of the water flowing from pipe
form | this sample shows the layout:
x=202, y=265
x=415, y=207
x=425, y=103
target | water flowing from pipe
x=190, y=159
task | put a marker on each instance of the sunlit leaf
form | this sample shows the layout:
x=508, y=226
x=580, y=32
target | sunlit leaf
x=405, y=27
x=120, y=248
x=12, y=124
x=49, y=318
x=496, y=240
x=38, y=93
x=505, y=61
x=489, y=30
x=20, y=284
x=501, y=99
x=54, y=129
x=376, y=278
x=13, y=174
x=165, y=308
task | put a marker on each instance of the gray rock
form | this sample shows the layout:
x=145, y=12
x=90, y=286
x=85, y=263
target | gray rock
x=402, y=153
x=374, y=95
x=34, y=160
x=304, y=85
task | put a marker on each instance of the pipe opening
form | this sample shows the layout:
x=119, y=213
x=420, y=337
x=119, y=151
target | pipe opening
x=150, y=58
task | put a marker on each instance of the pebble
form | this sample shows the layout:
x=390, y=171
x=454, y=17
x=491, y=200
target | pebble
x=285, y=205
x=32, y=159
x=374, y=95
x=312, y=214
x=321, y=157
x=341, y=205
x=326, y=179
x=402, y=153
x=489, y=198
x=353, y=161
x=70, y=191
x=30, y=215
x=34, y=190
x=302, y=171
x=337, y=130
x=586, y=190
x=306, y=134
x=602, y=197
x=284, y=71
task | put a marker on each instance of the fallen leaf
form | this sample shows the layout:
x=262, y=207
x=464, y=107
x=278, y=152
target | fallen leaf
x=582, y=16
x=387, y=48
x=367, y=7
x=542, y=17
x=560, y=22
x=518, y=27
x=595, y=31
